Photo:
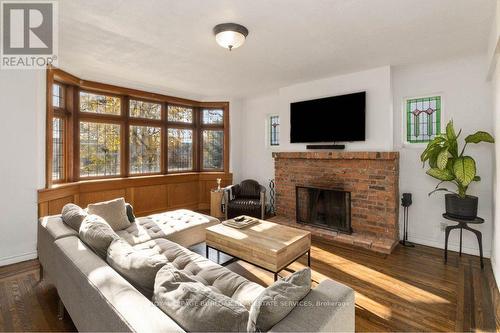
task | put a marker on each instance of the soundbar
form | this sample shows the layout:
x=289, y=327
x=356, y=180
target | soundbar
x=325, y=147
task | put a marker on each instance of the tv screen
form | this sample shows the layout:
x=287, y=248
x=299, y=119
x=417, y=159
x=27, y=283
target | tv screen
x=330, y=119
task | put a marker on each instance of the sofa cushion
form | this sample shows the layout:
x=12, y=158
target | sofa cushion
x=113, y=211
x=97, y=234
x=73, y=215
x=194, y=306
x=205, y=271
x=138, y=267
x=182, y=226
x=56, y=227
x=278, y=300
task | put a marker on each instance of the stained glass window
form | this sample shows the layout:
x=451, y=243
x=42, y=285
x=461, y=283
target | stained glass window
x=145, y=147
x=179, y=114
x=180, y=149
x=213, y=149
x=274, y=130
x=57, y=148
x=99, y=149
x=141, y=109
x=423, y=119
x=99, y=103
x=213, y=116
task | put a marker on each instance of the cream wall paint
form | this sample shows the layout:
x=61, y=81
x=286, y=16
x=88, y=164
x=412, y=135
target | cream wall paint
x=22, y=96
x=494, y=70
x=466, y=97
x=257, y=162
x=495, y=250
x=466, y=100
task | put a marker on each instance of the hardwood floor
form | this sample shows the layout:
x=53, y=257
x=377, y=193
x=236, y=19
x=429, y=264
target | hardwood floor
x=410, y=290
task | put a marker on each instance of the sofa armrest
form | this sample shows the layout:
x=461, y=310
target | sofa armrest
x=327, y=308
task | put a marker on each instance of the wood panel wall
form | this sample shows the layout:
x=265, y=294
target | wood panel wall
x=148, y=195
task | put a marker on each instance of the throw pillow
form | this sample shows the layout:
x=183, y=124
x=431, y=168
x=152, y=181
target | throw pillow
x=97, y=234
x=130, y=213
x=278, y=300
x=137, y=267
x=73, y=215
x=194, y=306
x=113, y=211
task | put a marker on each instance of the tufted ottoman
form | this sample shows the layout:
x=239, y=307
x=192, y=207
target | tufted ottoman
x=205, y=271
x=182, y=226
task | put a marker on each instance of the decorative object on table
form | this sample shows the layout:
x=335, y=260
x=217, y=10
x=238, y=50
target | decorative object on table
x=219, y=180
x=272, y=192
x=246, y=198
x=463, y=224
x=449, y=164
x=216, y=207
x=240, y=222
x=406, y=202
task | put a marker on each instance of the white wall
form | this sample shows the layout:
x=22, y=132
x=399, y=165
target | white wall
x=257, y=162
x=495, y=250
x=22, y=133
x=495, y=70
x=467, y=100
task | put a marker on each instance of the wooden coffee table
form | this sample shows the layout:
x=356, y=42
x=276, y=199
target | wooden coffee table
x=267, y=245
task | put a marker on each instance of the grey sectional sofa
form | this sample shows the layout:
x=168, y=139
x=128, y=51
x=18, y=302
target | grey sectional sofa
x=99, y=299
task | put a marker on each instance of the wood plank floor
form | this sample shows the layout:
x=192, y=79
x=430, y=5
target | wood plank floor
x=409, y=290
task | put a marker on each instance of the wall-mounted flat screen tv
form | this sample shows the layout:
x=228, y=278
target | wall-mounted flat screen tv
x=330, y=119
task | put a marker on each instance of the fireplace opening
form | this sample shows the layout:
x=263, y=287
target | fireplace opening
x=324, y=207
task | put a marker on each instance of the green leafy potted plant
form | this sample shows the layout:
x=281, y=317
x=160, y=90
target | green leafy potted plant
x=448, y=164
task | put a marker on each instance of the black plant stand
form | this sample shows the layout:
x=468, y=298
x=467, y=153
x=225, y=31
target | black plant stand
x=463, y=224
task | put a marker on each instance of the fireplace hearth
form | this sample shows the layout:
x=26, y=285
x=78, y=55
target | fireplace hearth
x=324, y=208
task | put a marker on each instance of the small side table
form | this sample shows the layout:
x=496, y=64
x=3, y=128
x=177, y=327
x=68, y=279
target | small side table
x=463, y=224
x=216, y=203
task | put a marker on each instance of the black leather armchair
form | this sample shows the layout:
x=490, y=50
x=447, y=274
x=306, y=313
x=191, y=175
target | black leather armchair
x=246, y=198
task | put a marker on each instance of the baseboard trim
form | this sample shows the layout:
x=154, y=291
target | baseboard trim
x=18, y=258
x=451, y=246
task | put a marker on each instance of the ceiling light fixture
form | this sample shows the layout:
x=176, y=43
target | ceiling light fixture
x=230, y=35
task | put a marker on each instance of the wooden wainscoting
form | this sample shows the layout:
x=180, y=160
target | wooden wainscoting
x=148, y=195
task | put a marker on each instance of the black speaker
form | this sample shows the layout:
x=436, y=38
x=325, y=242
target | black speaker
x=406, y=200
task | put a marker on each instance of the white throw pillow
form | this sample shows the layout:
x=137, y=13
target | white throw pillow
x=97, y=234
x=113, y=211
x=278, y=300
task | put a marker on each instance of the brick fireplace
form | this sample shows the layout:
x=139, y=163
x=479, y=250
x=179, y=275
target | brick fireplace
x=371, y=177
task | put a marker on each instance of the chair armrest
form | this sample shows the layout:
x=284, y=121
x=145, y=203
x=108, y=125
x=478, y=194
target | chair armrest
x=327, y=308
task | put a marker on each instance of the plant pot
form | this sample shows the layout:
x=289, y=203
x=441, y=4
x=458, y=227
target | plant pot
x=462, y=208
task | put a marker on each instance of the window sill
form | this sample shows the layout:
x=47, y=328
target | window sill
x=138, y=178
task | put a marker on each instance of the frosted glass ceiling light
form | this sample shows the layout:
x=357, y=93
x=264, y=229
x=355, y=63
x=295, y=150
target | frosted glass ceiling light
x=230, y=35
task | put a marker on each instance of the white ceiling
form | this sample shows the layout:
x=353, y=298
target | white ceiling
x=167, y=46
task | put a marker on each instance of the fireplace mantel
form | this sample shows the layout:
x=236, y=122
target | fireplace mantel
x=371, y=177
x=338, y=155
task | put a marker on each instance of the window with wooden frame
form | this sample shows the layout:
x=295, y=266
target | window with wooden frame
x=101, y=131
x=212, y=139
x=180, y=137
x=58, y=132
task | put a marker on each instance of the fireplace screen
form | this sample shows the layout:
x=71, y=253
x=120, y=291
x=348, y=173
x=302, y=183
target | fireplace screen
x=324, y=208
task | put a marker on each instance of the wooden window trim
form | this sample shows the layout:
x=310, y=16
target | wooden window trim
x=73, y=116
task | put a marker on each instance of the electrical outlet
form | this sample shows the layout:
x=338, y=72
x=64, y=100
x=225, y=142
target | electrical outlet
x=443, y=226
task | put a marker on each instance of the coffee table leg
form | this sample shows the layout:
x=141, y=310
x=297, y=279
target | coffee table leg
x=309, y=258
x=206, y=252
x=275, y=277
